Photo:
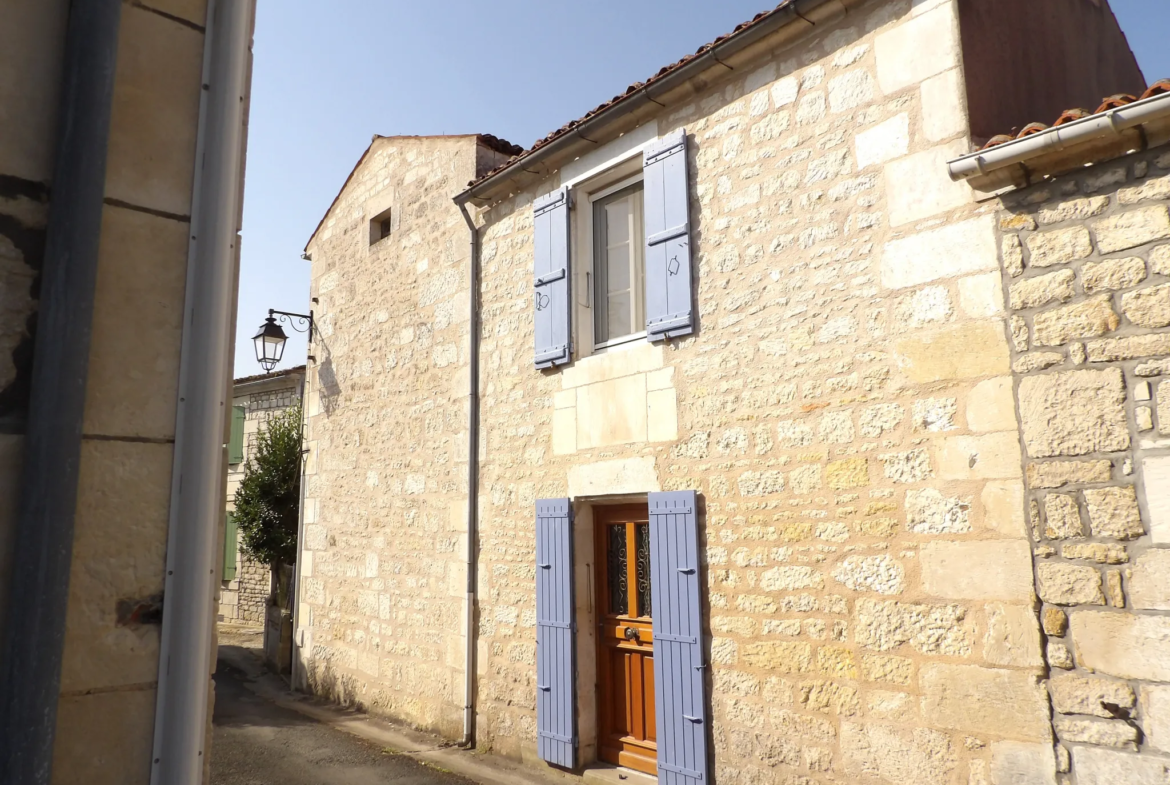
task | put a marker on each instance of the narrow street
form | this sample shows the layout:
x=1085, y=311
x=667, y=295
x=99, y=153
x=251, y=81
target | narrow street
x=257, y=742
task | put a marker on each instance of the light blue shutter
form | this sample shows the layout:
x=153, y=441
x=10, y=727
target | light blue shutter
x=669, y=309
x=679, y=670
x=556, y=665
x=551, y=278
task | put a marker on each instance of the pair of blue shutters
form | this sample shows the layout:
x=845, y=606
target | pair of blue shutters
x=679, y=669
x=669, y=299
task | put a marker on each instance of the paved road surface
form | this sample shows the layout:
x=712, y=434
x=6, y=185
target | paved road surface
x=256, y=742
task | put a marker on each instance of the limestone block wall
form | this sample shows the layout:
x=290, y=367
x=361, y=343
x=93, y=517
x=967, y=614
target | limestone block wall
x=109, y=677
x=105, y=719
x=845, y=410
x=383, y=570
x=1087, y=271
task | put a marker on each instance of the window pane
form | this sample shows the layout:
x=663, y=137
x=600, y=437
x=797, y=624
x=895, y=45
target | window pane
x=617, y=264
x=619, y=314
x=617, y=217
x=618, y=268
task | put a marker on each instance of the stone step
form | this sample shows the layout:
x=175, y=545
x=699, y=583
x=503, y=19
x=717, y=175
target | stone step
x=605, y=774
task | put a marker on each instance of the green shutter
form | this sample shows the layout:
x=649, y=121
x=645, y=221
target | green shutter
x=236, y=446
x=229, y=548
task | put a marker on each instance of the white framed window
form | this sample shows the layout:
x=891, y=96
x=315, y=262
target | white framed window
x=611, y=252
x=618, y=266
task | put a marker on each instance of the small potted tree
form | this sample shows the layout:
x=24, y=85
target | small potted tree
x=267, y=509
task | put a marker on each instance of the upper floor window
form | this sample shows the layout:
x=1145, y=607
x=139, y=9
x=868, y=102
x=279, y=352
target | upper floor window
x=631, y=247
x=619, y=269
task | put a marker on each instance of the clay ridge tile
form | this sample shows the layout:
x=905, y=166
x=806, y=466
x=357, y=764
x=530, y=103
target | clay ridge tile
x=1072, y=115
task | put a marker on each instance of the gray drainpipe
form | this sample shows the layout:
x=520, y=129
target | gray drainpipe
x=200, y=463
x=43, y=548
x=472, y=480
x=295, y=593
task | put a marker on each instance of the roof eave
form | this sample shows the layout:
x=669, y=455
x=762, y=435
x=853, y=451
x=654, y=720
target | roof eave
x=490, y=141
x=1094, y=139
x=778, y=29
x=268, y=378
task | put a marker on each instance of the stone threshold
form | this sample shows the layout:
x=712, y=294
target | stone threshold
x=605, y=774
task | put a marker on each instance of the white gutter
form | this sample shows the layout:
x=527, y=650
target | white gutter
x=198, y=474
x=1106, y=124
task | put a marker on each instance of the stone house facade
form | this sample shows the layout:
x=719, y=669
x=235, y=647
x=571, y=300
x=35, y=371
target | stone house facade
x=386, y=419
x=246, y=584
x=1086, y=260
x=825, y=428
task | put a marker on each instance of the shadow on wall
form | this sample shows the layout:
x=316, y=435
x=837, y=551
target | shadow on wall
x=327, y=683
x=329, y=390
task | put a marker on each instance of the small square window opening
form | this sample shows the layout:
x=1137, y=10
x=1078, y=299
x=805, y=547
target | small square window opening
x=381, y=225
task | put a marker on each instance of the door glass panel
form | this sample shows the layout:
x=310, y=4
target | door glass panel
x=619, y=595
x=642, y=564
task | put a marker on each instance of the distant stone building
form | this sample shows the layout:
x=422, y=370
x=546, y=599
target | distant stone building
x=246, y=583
x=790, y=456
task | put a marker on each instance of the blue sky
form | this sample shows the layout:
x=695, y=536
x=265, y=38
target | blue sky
x=325, y=83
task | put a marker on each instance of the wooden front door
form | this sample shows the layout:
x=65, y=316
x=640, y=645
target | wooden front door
x=625, y=656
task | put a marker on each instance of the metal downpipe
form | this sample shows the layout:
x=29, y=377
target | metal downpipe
x=472, y=481
x=34, y=643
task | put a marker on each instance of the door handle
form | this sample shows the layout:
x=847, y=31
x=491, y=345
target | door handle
x=632, y=634
x=692, y=719
x=543, y=688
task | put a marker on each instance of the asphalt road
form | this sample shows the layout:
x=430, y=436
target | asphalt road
x=256, y=742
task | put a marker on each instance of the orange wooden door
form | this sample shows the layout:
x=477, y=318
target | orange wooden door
x=625, y=656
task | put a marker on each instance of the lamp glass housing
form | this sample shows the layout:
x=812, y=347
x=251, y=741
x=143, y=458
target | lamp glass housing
x=269, y=343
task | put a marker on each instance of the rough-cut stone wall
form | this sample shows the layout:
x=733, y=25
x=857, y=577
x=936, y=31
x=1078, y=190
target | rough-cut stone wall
x=245, y=598
x=845, y=410
x=1087, y=267
x=383, y=571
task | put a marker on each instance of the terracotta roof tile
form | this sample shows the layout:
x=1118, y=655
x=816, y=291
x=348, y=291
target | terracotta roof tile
x=500, y=145
x=1072, y=115
x=629, y=91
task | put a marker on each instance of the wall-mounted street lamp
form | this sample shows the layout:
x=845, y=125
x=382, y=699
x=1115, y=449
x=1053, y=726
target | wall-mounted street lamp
x=270, y=340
